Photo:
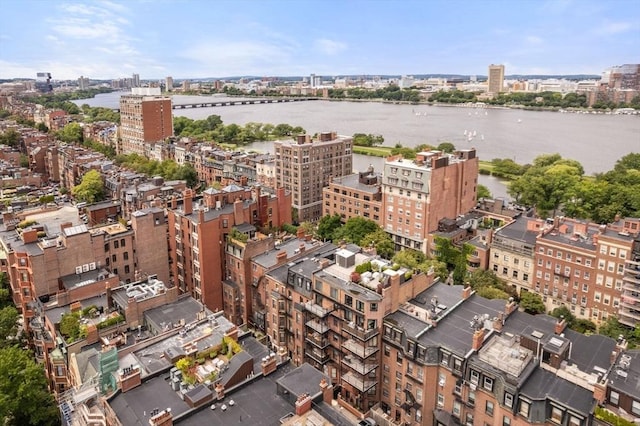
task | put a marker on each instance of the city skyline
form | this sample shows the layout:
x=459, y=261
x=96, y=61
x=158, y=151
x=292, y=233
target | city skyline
x=113, y=39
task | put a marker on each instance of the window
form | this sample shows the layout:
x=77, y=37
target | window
x=614, y=397
x=488, y=383
x=574, y=421
x=126, y=255
x=556, y=415
x=116, y=244
x=122, y=242
x=475, y=377
x=635, y=408
x=471, y=398
x=508, y=400
x=419, y=395
x=456, y=408
x=418, y=415
x=126, y=269
x=488, y=408
x=506, y=421
x=524, y=408
x=440, y=400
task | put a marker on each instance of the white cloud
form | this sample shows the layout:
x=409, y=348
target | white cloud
x=611, y=28
x=329, y=47
x=533, y=40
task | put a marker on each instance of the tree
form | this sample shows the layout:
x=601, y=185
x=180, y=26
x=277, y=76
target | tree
x=362, y=139
x=355, y=229
x=531, y=303
x=10, y=137
x=381, y=241
x=42, y=128
x=71, y=133
x=409, y=258
x=489, y=285
x=70, y=326
x=25, y=399
x=8, y=326
x=91, y=189
x=433, y=265
x=24, y=161
x=327, y=225
x=446, y=147
x=547, y=184
x=483, y=192
x=5, y=291
x=189, y=174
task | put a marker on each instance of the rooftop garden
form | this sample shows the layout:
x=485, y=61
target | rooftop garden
x=207, y=365
x=73, y=325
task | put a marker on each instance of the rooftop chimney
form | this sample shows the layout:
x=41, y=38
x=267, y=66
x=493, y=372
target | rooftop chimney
x=300, y=234
x=510, y=307
x=327, y=391
x=466, y=292
x=187, y=206
x=163, y=418
x=281, y=256
x=498, y=322
x=478, y=339
x=303, y=404
x=561, y=324
x=238, y=215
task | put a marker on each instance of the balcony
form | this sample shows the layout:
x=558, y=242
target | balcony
x=317, y=310
x=317, y=326
x=357, y=365
x=356, y=348
x=359, y=332
x=317, y=340
x=363, y=385
x=318, y=356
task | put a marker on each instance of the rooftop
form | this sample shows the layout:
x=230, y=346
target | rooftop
x=353, y=181
x=543, y=384
x=170, y=315
x=625, y=377
x=505, y=353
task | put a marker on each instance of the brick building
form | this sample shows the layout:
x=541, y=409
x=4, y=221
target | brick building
x=418, y=194
x=355, y=195
x=305, y=166
x=145, y=118
x=198, y=235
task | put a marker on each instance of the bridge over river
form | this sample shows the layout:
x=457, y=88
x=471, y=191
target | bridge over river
x=236, y=102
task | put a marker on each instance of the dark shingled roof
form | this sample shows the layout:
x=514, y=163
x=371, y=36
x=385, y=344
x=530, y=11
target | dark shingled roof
x=543, y=384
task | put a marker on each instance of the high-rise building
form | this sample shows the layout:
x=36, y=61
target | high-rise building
x=305, y=166
x=495, y=80
x=145, y=118
x=43, y=82
x=168, y=84
x=135, y=80
x=83, y=83
x=418, y=194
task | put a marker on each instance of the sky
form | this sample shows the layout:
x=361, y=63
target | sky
x=107, y=39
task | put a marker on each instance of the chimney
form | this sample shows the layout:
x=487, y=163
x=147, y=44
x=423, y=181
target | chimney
x=187, y=206
x=219, y=391
x=268, y=364
x=29, y=236
x=498, y=322
x=303, y=404
x=301, y=247
x=238, y=215
x=327, y=391
x=478, y=339
x=466, y=292
x=600, y=392
x=300, y=234
x=281, y=257
x=129, y=378
x=63, y=226
x=163, y=418
x=201, y=215
x=510, y=307
x=561, y=324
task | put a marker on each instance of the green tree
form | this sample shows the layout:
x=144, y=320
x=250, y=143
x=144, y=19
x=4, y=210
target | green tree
x=70, y=326
x=355, y=229
x=409, y=258
x=446, y=147
x=24, y=397
x=327, y=226
x=24, y=161
x=10, y=137
x=8, y=326
x=362, y=139
x=42, y=128
x=439, y=268
x=187, y=173
x=91, y=189
x=71, y=133
x=483, y=192
x=531, y=303
x=381, y=241
x=547, y=184
x=5, y=291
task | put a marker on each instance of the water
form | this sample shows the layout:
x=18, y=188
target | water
x=597, y=141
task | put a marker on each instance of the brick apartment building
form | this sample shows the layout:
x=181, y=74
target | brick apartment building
x=145, y=118
x=586, y=267
x=317, y=310
x=418, y=194
x=355, y=195
x=305, y=166
x=198, y=235
x=451, y=357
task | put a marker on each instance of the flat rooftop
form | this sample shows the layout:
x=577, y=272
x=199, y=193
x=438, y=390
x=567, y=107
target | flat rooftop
x=353, y=181
x=505, y=353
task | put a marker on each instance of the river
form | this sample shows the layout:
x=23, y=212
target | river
x=597, y=141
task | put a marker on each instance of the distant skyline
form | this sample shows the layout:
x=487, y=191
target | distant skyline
x=109, y=39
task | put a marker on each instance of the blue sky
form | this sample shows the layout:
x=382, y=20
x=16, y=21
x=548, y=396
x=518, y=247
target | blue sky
x=218, y=38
